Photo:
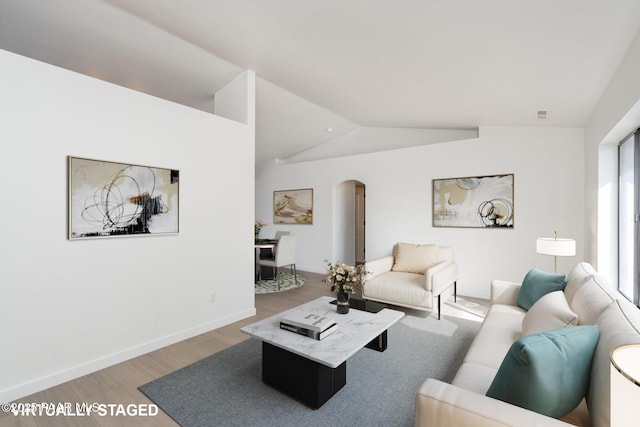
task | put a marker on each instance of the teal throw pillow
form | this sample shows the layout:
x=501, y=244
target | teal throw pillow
x=547, y=372
x=538, y=283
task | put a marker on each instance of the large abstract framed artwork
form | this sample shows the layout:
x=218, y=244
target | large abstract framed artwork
x=108, y=199
x=476, y=202
x=293, y=206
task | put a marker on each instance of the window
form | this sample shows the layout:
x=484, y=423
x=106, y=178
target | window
x=629, y=216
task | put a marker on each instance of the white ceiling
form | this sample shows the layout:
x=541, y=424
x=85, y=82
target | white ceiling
x=344, y=64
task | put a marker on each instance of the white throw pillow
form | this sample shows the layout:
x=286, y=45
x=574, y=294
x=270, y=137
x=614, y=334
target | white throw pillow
x=551, y=311
x=412, y=258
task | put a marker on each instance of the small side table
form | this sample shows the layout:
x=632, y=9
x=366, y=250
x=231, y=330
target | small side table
x=625, y=384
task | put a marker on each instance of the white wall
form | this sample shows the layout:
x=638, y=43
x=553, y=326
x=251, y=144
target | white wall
x=548, y=164
x=237, y=100
x=71, y=307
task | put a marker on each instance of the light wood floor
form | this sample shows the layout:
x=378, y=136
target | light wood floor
x=119, y=384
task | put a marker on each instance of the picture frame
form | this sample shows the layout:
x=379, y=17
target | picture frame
x=113, y=199
x=293, y=206
x=474, y=202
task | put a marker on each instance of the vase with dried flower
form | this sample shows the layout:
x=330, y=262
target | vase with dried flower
x=344, y=280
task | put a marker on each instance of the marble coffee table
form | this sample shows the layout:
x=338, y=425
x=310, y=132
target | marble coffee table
x=313, y=371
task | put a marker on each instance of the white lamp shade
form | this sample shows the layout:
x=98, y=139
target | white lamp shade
x=625, y=385
x=556, y=247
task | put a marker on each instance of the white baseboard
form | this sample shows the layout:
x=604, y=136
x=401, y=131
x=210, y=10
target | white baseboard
x=311, y=269
x=56, y=378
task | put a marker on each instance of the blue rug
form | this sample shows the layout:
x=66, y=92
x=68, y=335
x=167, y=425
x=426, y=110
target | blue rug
x=226, y=388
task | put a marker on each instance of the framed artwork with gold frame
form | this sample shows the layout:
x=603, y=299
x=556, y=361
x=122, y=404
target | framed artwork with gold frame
x=293, y=206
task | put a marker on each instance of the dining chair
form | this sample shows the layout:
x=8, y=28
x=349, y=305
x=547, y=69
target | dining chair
x=268, y=253
x=285, y=256
x=280, y=234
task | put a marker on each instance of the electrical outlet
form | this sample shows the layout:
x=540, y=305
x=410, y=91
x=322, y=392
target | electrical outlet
x=212, y=297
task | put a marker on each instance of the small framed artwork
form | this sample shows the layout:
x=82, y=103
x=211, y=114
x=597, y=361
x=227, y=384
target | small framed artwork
x=108, y=199
x=293, y=206
x=475, y=202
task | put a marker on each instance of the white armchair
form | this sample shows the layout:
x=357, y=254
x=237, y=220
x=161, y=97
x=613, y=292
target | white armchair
x=415, y=276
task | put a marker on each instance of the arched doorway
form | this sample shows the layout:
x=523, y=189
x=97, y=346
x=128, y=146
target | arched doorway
x=360, y=224
x=350, y=222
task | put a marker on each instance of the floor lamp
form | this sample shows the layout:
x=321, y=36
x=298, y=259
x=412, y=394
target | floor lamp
x=625, y=385
x=556, y=247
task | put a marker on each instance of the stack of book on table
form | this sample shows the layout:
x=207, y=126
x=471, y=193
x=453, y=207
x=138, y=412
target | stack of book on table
x=317, y=326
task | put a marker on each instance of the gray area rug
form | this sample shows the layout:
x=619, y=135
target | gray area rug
x=226, y=389
x=287, y=282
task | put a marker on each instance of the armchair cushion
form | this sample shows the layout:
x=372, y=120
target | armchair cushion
x=379, y=266
x=413, y=258
x=548, y=372
x=408, y=288
x=537, y=283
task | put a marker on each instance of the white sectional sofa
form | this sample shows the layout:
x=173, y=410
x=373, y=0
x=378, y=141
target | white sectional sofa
x=416, y=276
x=464, y=401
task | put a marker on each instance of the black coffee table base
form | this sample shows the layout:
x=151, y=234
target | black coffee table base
x=380, y=342
x=303, y=379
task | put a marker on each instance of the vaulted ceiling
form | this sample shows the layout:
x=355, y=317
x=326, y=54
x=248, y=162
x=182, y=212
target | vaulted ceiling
x=343, y=64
